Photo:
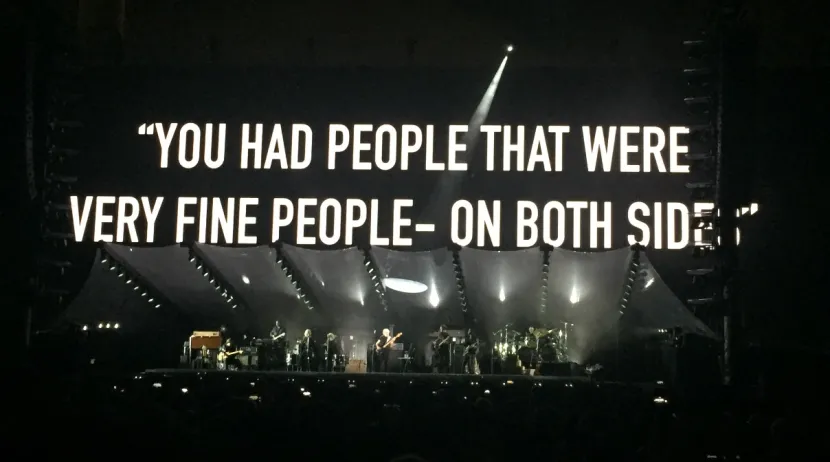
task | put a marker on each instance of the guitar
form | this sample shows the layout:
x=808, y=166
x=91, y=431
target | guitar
x=436, y=347
x=277, y=337
x=389, y=342
x=223, y=355
x=470, y=348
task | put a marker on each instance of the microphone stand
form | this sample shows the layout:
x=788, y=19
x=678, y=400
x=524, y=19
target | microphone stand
x=308, y=354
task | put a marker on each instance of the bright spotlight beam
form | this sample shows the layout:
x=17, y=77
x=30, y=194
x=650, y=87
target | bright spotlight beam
x=449, y=185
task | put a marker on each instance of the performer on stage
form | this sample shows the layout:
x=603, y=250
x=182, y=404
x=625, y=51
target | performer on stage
x=471, y=342
x=308, y=352
x=277, y=351
x=382, y=348
x=332, y=351
x=228, y=356
x=441, y=351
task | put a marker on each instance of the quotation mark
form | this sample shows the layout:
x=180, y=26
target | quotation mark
x=147, y=129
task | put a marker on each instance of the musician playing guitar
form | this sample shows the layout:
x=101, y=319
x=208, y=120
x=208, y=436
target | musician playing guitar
x=228, y=356
x=382, y=348
x=441, y=351
x=276, y=351
x=471, y=344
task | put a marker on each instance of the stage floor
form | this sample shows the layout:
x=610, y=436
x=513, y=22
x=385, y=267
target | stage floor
x=391, y=377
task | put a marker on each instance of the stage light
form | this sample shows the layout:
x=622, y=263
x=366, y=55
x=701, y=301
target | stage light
x=85, y=327
x=214, y=276
x=406, y=286
x=433, y=298
x=293, y=277
x=509, y=48
x=574, y=296
x=460, y=283
x=502, y=296
x=116, y=326
x=245, y=279
x=631, y=279
x=108, y=325
x=101, y=325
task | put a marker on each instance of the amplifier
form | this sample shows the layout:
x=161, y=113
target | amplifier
x=356, y=366
x=210, y=340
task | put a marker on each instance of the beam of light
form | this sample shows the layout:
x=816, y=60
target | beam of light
x=245, y=279
x=649, y=283
x=434, y=300
x=449, y=185
x=502, y=297
x=574, y=296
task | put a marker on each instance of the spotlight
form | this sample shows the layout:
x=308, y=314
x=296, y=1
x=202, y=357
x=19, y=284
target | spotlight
x=509, y=48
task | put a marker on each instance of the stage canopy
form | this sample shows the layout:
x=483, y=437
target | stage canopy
x=336, y=290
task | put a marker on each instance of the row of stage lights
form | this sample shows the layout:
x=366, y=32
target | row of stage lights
x=543, y=296
x=631, y=278
x=286, y=267
x=131, y=279
x=219, y=285
x=460, y=283
x=103, y=326
x=375, y=276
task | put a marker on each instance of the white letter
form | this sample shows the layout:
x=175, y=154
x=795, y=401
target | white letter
x=672, y=210
x=539, y=151
x=560, y=131
x=151, y=212
x=303, y=221
x=203, y=216
x=336, y=212
x=249, y=145
x=296, y=131
x=599, y=148
x=127, y=219
x=489, y=223
x=218, y=216
x=165, y=140
x=210, y=161
x=523, y=222
x=79, y=221
x=389, y=130
x=598, y=223
x=633, y=210
x=699, y=209
x=359, y=147
x=626, y=149
x=355, y=218
x=431, y=165
x=334, y=146
x=560, y=224
x=577, y=207
x=278, y=218
x=374, y=239
x=518, y=147
x=244, y=220
x=658, y=225
x=408, y=148
x=491, y=131
x=181, y=218
x=276, y=149
x=193, y=129
x=676, y=149
x=399, y=222
x=653, y=150
x=100, y=218
x=455, y=147
x=468, y=223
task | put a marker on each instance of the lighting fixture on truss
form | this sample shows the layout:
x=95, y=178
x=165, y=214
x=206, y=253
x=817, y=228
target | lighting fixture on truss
x=214, y=277
x=375, y=276
x=632, y=274
x=129, y=276
x=543, y=306
x=295, y=277
x=460, y=282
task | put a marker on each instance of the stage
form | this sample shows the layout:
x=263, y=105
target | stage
x=489, y=382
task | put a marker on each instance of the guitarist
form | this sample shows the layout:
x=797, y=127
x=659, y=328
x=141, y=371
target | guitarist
x=382, y=348
x=471, y=344
x=277, y=353
x=441, y=351
x=228, y=354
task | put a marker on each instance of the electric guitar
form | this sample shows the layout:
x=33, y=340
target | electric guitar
x=389, y=342
x=225, y=355
x=436, y=347
x=277, y=337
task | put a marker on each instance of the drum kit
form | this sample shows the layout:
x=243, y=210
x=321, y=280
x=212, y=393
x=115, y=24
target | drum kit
x=527, y=350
